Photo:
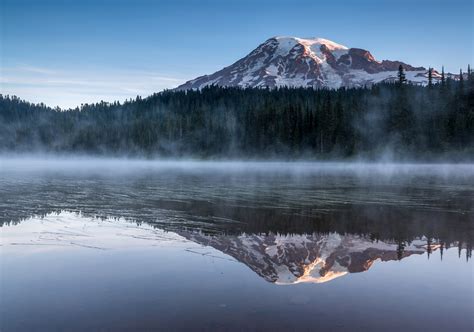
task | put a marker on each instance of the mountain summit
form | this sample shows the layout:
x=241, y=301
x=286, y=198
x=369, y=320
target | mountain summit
x=307, y=258
x=307, y=62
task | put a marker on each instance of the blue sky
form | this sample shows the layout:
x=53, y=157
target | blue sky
x=71, y=52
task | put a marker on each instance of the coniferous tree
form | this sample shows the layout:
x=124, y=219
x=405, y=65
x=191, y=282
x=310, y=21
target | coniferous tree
x=428, y=246
x=400, y=249
x=443, y=80
x=430, y=77
x=401, y=75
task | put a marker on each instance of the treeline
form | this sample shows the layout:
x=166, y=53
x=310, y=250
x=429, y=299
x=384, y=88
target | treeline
x=395, y=120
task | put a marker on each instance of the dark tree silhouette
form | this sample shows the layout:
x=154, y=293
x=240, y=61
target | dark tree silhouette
x=413, y=122
x=401, y=75
x=430, y=77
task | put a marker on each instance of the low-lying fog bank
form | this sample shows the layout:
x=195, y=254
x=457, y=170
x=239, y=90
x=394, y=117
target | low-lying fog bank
x=114, y=165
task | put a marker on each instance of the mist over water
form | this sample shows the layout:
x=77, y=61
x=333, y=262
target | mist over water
x=37, y=162
x=221, y=241
x=143, y=189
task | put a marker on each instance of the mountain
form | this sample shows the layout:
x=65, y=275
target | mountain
x=306, y=258
x=314, y=62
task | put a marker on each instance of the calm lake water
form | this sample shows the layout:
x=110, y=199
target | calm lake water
x=127, y=245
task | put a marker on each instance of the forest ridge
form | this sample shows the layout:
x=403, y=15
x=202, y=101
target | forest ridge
x=398, y=120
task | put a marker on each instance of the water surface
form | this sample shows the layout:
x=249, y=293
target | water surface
x=116, y=244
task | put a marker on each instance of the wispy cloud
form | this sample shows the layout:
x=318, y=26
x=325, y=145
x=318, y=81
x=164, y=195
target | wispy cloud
x=70, y=88
x=33, y=69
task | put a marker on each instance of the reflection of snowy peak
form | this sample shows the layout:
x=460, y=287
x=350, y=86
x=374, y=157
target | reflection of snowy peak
x=314, y=62
x=314, y=258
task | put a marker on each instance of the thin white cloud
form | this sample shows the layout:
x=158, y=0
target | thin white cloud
x=75, y=87
x=28, y=69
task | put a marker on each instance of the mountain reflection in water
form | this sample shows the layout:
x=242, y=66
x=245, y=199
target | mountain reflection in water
x=116, y=245
x=278, y=258
x=313, y=258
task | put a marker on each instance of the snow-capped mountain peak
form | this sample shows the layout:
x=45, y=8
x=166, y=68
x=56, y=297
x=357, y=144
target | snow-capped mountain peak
x=307, y=258
x=315, y=43
x=307, y=62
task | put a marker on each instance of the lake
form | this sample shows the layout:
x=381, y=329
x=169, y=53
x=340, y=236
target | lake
x=89, y=244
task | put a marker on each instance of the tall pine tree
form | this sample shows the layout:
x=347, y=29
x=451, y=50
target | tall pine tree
x=430, y=77
x=401, y=75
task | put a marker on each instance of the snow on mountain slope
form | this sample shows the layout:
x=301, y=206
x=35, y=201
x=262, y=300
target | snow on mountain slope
x=313, y=62
x=306, y=258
